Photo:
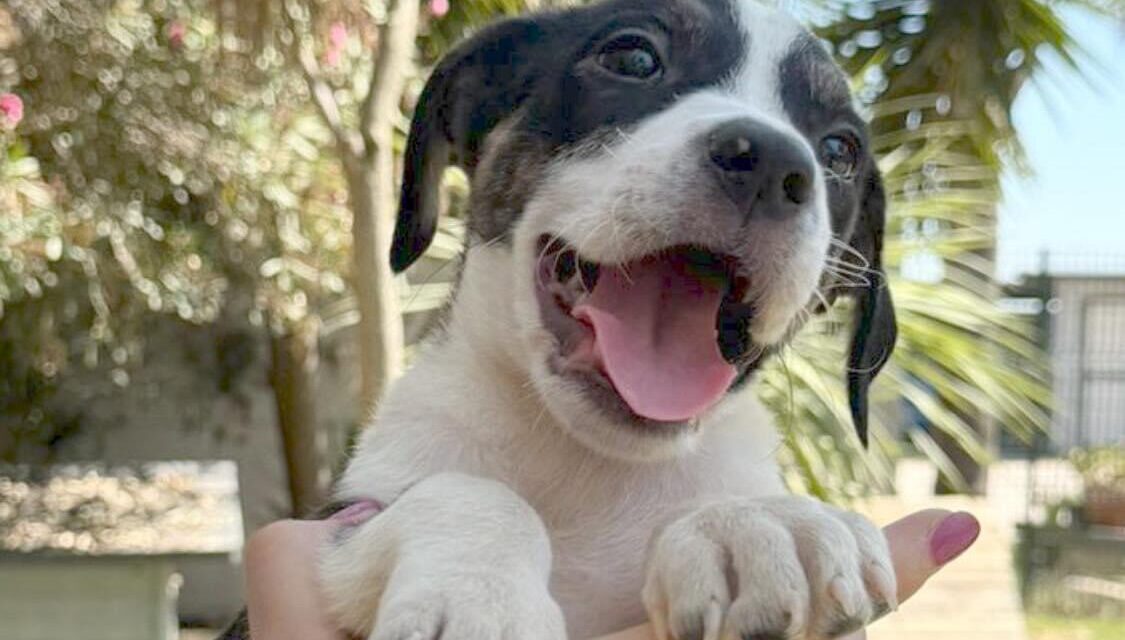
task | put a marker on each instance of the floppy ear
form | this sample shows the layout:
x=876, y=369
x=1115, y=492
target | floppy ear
x=875, y=326
x=475, y=87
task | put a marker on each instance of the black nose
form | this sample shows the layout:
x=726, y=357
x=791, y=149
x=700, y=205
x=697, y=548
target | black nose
x=764, y=171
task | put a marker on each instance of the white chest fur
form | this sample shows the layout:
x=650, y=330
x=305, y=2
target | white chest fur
x=600, y=513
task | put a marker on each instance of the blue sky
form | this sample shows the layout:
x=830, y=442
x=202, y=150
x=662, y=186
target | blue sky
x=1073, y=128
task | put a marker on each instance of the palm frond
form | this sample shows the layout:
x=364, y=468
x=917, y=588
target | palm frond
x=938, y=81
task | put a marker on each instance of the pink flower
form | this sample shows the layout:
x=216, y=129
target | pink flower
x=176, y=33
x=337, y=39
x=11, y=110
x=337, y=35
x=439, y=8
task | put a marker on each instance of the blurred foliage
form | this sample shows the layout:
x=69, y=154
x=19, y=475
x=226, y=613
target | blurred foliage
x=140, y=509
x=1046, y=627
x=160, y=168
x=1101, y=467
x=937, y=80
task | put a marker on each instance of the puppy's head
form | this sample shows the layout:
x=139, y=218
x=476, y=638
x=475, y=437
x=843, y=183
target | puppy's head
x=661, y=194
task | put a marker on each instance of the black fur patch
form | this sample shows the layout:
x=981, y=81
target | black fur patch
x=527, y=91
x=815, y=94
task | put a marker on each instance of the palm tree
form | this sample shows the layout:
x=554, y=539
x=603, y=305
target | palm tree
x=939, y=80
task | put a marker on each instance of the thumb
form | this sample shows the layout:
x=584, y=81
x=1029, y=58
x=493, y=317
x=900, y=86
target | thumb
x=924, y=542
x=921, y=544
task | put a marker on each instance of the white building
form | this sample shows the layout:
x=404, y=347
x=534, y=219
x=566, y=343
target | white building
x=1087, y=348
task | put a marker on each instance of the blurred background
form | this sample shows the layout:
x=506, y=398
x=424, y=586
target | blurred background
x=196, y=316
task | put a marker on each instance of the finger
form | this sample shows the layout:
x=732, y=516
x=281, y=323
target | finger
x=921, y=544
x=924, y=542
x=282, y=597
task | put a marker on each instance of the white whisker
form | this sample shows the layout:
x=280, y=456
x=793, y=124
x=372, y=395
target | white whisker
x=846, y=248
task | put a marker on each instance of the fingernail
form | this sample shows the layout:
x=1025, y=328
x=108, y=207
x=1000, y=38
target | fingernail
x=358, y=513
x=953, y=536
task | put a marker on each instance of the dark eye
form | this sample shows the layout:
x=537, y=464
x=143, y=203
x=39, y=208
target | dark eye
x=630, y=55
x=840, y=155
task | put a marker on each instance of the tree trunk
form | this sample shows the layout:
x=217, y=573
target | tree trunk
x=380, y=326
x=371, y=182
x=305, y=445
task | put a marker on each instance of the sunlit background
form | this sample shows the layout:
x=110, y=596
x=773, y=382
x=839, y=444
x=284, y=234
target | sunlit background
x=195, y=315
x=1070, y=121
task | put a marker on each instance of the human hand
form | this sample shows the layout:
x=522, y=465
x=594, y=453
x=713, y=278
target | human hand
x=921, y=544
x=284, y=602
x=283, y=597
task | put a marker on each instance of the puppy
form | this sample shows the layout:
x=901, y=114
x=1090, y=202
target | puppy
x=658, y=188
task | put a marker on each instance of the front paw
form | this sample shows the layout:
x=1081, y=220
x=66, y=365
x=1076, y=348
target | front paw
x=786, y=567
x=455, y=557
x=467, y=604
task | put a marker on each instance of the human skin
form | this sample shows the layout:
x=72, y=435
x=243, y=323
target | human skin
x=284, y=602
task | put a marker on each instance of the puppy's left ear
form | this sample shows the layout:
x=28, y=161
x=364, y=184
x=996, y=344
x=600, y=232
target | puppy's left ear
x=472, y=90
x=875, y=325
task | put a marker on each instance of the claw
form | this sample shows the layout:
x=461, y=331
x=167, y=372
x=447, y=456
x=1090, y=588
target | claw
x=882, y=587
x=713, y=621
x=838, y=591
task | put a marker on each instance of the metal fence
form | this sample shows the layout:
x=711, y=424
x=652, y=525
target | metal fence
x=1080, y=304
x=1072, y=549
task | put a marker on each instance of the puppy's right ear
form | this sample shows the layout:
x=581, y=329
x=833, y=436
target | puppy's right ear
x=475, y=87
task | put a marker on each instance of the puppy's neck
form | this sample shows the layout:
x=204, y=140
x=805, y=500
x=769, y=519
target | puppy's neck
x=483, y=328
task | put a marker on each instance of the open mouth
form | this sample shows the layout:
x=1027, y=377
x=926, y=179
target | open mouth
x=666, y=331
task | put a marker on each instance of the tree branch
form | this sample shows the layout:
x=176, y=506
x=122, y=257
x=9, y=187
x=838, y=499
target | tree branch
x=322, y=94
x=392, y=65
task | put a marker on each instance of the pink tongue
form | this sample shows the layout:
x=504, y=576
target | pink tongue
x=654, y=332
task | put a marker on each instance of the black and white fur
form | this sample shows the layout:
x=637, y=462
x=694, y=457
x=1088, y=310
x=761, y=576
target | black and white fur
x=524, y=503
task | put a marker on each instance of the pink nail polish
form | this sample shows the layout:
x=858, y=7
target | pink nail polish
x=358, y=513
x=953, y=536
